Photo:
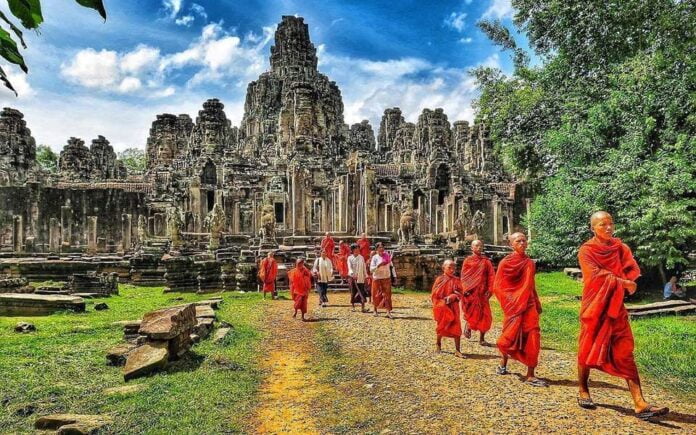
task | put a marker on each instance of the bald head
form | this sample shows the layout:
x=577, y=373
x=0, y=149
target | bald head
x=448, y=267
x=598, y=216
x=518, y=242
x=602, y=225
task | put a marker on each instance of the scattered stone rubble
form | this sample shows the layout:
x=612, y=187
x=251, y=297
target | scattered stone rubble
x=73, y=424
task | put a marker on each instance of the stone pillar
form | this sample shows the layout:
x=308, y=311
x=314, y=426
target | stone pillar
x=17, y=234
x=195, y=198
x=496, y=217
x=126, y=232
x=54, y=240
x=66, y=225
x=432, y=211
x=370, y=202
x=237, y=218
x=160, y=224
x=92, y=234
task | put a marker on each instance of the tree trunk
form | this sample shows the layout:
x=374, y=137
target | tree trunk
x=663, y=275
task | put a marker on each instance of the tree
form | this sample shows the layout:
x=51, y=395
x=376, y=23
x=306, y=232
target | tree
x=134, y=159
x=46, y=158
x=28, y=12
x=605, y=122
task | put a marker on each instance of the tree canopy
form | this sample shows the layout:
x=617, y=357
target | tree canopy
x=46, y=158
x=133, y=159
x=606, y=121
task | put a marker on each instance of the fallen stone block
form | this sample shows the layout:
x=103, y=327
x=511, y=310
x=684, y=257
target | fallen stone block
x=214, y=303
x=72, y=423
x=168, y=323
x=204, y=311
x=18, y=304
x=203, y=327
x=25, y=327
x=220, y=334
x=88, y=295
x=117, y=355
x=124, y=389
x=195, y=338
x=101, y=306
x=146, y=359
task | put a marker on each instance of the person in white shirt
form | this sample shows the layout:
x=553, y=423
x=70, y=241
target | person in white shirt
x=357, y=272
x=382, y=273
x=323, y=273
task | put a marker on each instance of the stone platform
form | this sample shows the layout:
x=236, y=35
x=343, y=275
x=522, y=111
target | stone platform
x=16, y=304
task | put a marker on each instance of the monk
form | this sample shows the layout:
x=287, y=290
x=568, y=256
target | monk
x=300, y=284
x=515, y=289
x=477, y=275
x=446, y=294
x=342, y=259
x=364, y=245
x=606, y=341
x=268, y=271
x=382, y=273
x=329, y=245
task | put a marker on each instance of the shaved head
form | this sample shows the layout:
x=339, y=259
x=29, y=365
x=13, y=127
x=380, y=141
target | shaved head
x=448, y=267
x=448, y=263
x=598, y=216
x=514, y=236
x=477, y=242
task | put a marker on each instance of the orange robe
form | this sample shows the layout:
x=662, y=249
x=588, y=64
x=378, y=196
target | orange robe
x=268, y=271
x=606, y=340
x=328, y=244
x=342, y=259
x=364, y=245
x=300, y=284
x=515, y=289
x=477, y=276
x=447, y=317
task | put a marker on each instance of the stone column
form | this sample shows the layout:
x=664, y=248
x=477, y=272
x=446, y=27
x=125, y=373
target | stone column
x=370, y=202
x=126, y=232
x=54, y=240
x=17, y=234
x=496, y=217
x=432, y=211
x=66, y=225
x=160, y=224
x=92, y=234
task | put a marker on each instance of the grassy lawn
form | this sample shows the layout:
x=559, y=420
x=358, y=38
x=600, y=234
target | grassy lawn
x=62, y=368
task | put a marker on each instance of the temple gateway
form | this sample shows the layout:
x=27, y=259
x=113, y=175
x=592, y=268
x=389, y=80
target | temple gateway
x=214, y=196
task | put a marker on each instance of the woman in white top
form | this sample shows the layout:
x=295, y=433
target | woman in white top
x=357, y=272
x=323, y=273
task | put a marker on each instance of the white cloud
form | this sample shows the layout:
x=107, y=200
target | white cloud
x=456, y=21
x=186, y=20
x=19, y=82
x=141, y=59
x=93, y=69
x=172, y=7
x=466, y=40
x=499, y=9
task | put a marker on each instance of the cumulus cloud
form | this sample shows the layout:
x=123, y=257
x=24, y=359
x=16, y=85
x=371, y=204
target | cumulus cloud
x=173, y=9
x=499, y=9
x=456, y=21
x=466, y=40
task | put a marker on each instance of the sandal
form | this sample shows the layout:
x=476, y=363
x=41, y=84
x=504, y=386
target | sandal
x=536, y=382
x=651, y=411
x=586, y=403
x=501, y=370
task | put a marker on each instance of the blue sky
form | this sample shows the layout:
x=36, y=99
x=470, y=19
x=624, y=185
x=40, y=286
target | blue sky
x=90, y=77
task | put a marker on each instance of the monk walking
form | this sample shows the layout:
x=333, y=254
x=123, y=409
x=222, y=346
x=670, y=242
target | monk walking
x=342, y=259
x=382, y=273
x=446, y=294
x=268, y=271
x=514, y=287
x=477, y=275
x=329, y=245
x=300, y=284
x=606, y=341
x=323, y=273
x=357, y=274
x=364, y=245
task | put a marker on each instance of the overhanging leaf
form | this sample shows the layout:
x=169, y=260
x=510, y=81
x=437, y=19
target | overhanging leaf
x=6, y=81
x=14, y=28
x=28, y=12
x=9, y=51
x=97, y=5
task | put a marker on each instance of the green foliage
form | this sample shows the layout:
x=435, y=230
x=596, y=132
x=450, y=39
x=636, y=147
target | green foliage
x=607, y=122
x=46, y=158
x=29, y=14
x=134, y=159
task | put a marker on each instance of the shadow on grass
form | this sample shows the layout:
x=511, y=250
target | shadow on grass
x=676, y=417
x=188, y=363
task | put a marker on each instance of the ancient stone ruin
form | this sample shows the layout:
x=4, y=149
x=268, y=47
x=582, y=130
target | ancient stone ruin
x=219, y=195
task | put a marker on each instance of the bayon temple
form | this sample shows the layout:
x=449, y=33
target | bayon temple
x=214, y=197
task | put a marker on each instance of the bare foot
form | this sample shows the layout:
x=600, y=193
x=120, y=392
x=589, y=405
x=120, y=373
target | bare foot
x=294, y=315
x=459, y=354
x=438, y=349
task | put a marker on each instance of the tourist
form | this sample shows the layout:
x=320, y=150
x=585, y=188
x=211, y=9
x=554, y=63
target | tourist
x=268, y=271
x=300, y=279
x=477, y=275
x=446, y=293
x=323, y=273
x=609, y=271
x=382, y=273
x=673, y=290
x=341, y=262
x=357, y=274
x=364, y=244
x=514, y=287
x=329, y=245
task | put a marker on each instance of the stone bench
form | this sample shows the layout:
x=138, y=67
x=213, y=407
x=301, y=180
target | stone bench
x=18, y=304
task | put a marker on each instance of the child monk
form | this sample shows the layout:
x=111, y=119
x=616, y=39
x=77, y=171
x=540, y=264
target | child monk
x=446, y=293
x=268, y=271
x=300, y=284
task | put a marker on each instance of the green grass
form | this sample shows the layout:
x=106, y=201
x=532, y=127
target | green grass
x=665, y=346
x=62, y=368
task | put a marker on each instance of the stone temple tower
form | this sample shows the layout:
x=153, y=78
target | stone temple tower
x=293, y=53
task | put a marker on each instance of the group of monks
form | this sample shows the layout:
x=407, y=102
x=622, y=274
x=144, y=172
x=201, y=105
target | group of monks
x=606, y=342
x=609, y=272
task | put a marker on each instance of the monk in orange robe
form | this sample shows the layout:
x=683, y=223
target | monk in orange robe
x=329, y=245
x=477, y=275
x=515, y=289
x=446, y=293
x=364, y=245
x=342, y=259
x=268, y=271
x=300, y=284
x=606, y=341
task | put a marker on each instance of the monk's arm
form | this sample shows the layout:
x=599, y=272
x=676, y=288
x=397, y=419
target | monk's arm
x=490, y=277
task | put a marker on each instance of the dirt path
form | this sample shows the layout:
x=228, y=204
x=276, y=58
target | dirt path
x=391, y=368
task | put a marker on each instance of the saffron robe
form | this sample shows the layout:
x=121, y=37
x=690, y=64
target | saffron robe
x=606, y=341
x=300, y=279
x=515, y=290
x=268, y=270
x=477, y=277
x=364, y=245
x=447, y=316
x=328, y=244
x=342, y=259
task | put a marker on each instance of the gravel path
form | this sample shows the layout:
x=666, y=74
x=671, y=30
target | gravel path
x=391, y=367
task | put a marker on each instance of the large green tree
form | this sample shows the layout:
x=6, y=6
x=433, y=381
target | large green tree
x=46, y=158
x=29, y=14
x=606, y=121
x=134, y=159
